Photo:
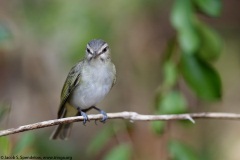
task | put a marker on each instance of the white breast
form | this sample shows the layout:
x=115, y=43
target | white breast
x=96, y=82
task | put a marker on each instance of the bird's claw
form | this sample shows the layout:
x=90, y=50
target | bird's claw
x=105, y=117
x=85, y=118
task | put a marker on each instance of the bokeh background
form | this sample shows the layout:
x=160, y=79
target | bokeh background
x=41, y=40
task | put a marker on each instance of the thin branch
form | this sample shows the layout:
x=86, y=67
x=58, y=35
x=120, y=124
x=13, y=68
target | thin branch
x=132, y=116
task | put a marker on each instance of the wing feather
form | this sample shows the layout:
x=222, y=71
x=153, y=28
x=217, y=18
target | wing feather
x=71, y=82
x=115, y=76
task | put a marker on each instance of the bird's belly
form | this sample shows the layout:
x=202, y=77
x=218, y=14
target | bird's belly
x=87, y=95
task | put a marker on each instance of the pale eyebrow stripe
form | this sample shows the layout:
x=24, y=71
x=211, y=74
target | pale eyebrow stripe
x=89, y=48
x=105, y=45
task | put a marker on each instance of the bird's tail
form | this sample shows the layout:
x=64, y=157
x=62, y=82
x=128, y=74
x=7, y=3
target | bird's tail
x=63, y=131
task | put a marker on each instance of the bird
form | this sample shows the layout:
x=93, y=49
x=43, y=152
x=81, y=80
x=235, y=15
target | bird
x=87, y=83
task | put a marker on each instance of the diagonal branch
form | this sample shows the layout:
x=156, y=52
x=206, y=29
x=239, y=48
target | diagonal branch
x=132, y=116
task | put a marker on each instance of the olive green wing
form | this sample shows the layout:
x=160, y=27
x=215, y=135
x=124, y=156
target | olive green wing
x=71, y=82
x=115, y=75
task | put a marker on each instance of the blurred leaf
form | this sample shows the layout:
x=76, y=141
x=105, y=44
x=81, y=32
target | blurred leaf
x=201, y=77
x=172, y=103
x=169, y=74
x=182, y=13
x=4, y=32
x=42, y=16
x=44, y=146
x=100, y=140
x=158, y=127
x=210, y=7
x=211, y=43
x=24, y=143
x=6, y=37
x=121, y=152
x=170, y=49
x=4, y=109
x=189, y=40
x=183, y=20
x=5, y=148
x=180, y=151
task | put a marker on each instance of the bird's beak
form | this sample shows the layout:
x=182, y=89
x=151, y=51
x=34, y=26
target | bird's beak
x=96, y=54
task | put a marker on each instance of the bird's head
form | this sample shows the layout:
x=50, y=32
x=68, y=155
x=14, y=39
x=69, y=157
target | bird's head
x=97, y=49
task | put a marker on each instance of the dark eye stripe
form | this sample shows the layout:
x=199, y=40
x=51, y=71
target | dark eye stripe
x=105, y=49
x=88, y=50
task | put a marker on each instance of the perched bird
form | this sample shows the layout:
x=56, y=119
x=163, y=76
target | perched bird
x=87, y=83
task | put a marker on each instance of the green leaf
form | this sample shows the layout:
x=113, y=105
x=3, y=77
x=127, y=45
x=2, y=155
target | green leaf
x=169, y=74
x=158, y=127
x=210, y=7
x=189, y=40
x=172, y=103
x=182, y=13
x=5, y=146
x=183, y=19
x=123, y=151
x=24, y=143
x=211, y=43
x=180, y=151
x=100, y=139
x=201, y=77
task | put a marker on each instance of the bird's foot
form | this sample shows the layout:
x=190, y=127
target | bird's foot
x=105, y=117
x=85, y=116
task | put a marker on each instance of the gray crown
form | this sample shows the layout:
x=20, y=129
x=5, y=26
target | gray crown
x=96, y=44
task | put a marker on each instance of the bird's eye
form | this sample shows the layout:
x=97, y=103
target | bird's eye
x=105, y=49
x=88, y=50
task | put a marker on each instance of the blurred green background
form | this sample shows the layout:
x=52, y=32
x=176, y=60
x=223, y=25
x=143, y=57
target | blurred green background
x=41, y=39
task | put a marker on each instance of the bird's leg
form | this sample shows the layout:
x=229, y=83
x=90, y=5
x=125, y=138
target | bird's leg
x=105, y=117
x=85, y=116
